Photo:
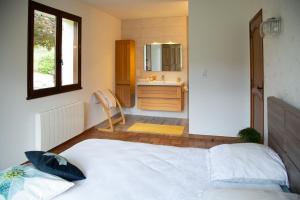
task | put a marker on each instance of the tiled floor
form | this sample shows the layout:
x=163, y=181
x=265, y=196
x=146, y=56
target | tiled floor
x=132, y=119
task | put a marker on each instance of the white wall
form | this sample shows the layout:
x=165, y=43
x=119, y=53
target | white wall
x=219, y=47
x=16, y=113
x=161, y=30
x=219, y=66
x=282, y=53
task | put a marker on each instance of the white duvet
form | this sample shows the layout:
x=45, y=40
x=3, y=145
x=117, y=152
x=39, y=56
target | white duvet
x=118, y=170
x=247, y=194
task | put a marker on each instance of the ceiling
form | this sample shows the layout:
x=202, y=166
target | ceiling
x=134, y=9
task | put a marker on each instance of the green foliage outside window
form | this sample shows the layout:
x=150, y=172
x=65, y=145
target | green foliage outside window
x=46, y=65
x=44, y=31
x=44, y=42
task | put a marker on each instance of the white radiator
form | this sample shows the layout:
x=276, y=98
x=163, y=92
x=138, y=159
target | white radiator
x=58, y=125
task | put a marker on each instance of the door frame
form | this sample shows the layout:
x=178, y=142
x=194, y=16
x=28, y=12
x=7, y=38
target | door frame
x=259, y=14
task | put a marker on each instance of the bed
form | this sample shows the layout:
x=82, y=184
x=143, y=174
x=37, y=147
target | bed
x=284, y=137
x=118, y=169
x=134, y=171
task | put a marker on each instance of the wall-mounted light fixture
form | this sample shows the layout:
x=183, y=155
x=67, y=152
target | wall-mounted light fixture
x=170, y=42
x=271, y=26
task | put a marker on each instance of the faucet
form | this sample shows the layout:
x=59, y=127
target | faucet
x=152, y=77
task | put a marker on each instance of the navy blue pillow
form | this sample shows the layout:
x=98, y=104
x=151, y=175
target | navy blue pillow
x=54, y=164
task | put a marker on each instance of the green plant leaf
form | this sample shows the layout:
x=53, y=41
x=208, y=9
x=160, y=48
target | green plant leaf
x=250, y=135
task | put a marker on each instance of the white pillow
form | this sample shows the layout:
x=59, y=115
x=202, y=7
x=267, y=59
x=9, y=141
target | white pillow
x=24, y=182
x=246, y=163
x=243, y=194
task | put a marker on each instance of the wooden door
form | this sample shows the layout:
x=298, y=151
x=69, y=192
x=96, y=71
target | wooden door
x=257, y=74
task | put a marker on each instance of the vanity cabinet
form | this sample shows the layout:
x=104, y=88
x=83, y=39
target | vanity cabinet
x=160, y=97
x=125, y=72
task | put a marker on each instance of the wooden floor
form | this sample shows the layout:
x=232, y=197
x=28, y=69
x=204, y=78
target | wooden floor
x=188, y=140
x=132, y=119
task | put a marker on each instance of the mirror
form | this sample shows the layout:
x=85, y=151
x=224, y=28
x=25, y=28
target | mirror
x=162, y=57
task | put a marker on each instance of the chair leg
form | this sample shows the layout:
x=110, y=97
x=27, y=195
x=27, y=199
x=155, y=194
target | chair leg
x=123, y=118
x=120, y=108
x=110, y=127
x=111, y=124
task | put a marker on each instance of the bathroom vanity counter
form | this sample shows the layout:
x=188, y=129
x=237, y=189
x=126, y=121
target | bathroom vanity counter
x=153, y=95
x=159, y=83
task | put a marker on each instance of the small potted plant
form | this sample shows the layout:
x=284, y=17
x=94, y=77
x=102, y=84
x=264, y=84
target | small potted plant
x=250, y=135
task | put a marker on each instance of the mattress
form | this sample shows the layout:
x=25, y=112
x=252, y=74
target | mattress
x=118, y=170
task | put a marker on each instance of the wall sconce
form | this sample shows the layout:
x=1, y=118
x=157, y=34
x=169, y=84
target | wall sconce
x=271, y=26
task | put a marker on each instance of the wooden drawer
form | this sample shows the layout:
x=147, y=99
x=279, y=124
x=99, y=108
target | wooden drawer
x=161, y=104
x=169, y=92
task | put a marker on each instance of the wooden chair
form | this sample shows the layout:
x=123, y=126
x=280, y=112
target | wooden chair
x=108, y=111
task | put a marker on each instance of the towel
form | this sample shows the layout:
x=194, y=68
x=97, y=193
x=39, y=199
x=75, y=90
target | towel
x=108, y=98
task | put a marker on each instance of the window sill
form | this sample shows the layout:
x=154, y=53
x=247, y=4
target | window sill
x=52, y=91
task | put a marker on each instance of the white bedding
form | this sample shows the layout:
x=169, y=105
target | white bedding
x=246, y=163
x=246, y=194
x=117, y=170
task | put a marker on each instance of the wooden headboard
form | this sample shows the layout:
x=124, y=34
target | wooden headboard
x=284, y=137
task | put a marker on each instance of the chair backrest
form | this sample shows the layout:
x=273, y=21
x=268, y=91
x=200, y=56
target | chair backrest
x=106, y=98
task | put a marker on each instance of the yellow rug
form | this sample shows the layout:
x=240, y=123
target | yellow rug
x=157, y=129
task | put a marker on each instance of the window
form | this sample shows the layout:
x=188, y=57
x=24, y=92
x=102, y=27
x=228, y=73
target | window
x=54, y=51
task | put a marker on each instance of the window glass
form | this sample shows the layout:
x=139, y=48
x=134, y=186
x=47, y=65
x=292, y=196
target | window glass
x=44, y=50
x=69, y=52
